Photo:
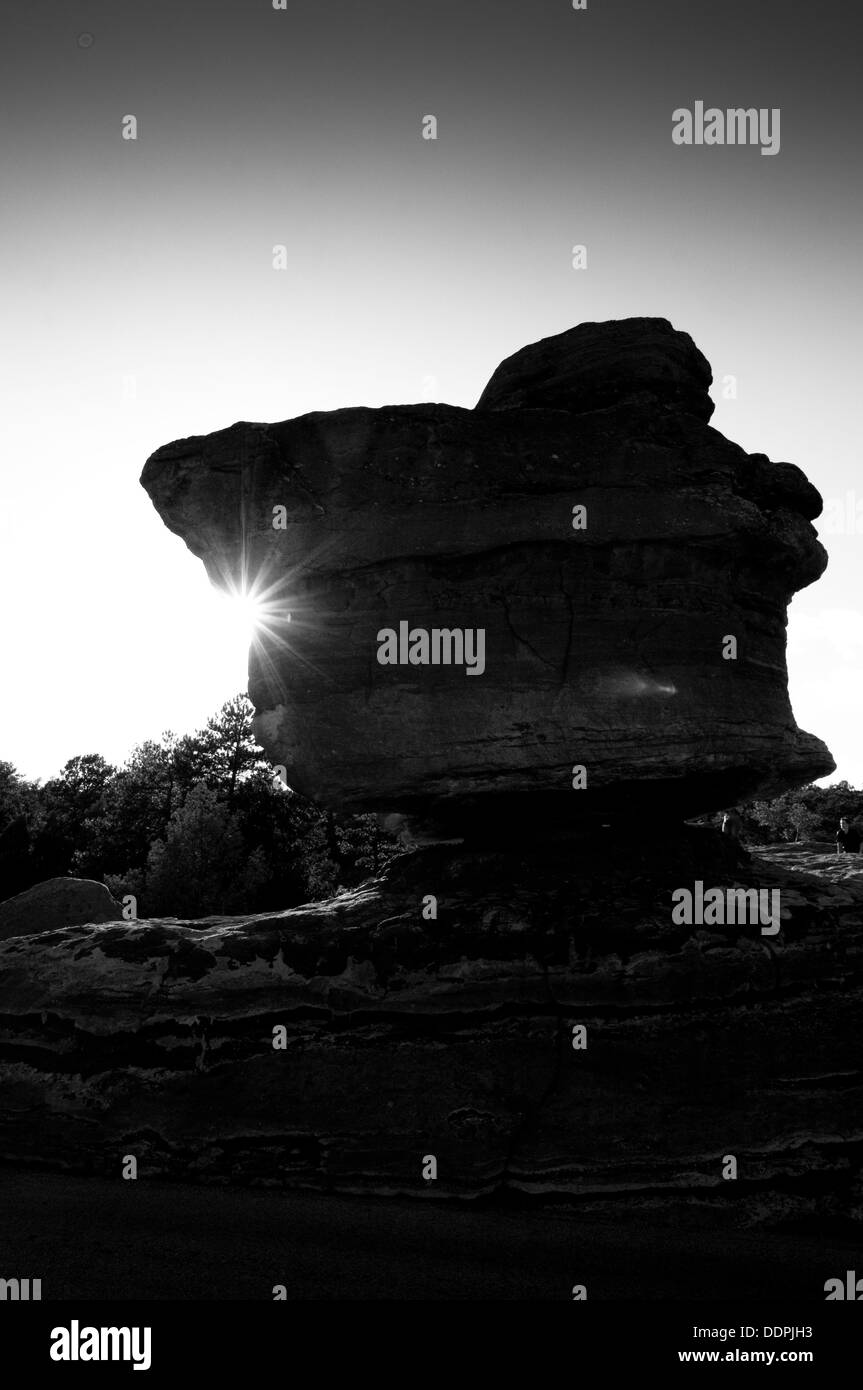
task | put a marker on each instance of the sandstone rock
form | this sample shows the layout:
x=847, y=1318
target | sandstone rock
x=819, y=859
x=58, y=902
x=602, y=646
x=598, y=365
x=452, y=1036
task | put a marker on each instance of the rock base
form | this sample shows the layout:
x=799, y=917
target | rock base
x=407, y=1036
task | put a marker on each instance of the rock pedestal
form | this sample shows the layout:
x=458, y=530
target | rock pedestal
x=549, y=1031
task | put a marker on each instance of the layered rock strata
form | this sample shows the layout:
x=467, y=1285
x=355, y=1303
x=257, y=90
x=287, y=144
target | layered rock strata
x=407, y=1035
x=628, y=568
x=520, y=1004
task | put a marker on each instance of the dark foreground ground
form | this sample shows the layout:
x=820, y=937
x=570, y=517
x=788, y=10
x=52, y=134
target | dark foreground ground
x=92, y=1238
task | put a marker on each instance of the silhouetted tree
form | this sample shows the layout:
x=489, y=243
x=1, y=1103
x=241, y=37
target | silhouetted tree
x=201, y=867
x=100, y=822
x=20, y=815
x=71, y=803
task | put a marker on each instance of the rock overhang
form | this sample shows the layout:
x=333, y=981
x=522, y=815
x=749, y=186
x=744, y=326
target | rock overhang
x=603, y=642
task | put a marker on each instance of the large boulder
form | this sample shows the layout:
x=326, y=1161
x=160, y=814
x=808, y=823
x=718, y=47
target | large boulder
x=58, y=902
x=642, y=638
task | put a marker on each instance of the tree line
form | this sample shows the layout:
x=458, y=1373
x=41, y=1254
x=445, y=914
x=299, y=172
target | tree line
x=198, y=825
x=809, y=813
x=191, y=826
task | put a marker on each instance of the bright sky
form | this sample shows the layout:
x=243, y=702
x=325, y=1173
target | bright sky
x=141, y=304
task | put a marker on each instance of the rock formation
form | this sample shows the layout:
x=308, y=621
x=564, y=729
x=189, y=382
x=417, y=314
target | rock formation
x=642, y=638
x=58, y=902
x=522, y=1004
x=406, y=1036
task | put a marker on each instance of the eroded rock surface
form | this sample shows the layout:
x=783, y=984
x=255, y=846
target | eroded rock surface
x=433, y=1012
x=408, y=1036
x=605, y=645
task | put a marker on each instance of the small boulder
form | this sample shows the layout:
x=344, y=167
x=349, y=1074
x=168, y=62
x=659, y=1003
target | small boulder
x=598, y=365
x=58, y=902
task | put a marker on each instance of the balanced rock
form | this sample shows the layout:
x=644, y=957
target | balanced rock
x=464, y=606
x=58, y=902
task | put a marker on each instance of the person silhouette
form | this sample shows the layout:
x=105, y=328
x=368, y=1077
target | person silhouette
x=848, y=838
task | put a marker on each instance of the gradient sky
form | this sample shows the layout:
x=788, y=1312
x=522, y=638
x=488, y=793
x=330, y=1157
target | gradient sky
x=414, y=268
